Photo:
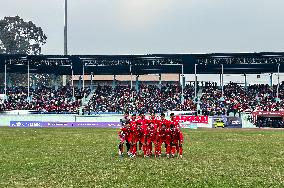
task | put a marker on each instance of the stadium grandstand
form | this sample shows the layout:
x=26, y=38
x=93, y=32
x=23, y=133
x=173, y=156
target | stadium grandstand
x=149, y=83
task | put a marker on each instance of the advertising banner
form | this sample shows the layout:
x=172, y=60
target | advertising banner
x=256, y=114
x=64, y=124
x=234, y=122
x=26, y=124
x=188, y=125
x=192, y=119
x=229, y=122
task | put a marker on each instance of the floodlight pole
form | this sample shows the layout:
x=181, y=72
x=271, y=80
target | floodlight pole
x=222, y=80
x=131, y=84
x=245, y=75
x=182, y=84
x=92, y=80
x=5, y=89
x=113, y=82
x=195, y=81
x=278, y=80
x=83, y=79
x=65, y=29
x=64, y=77
x=160, y=81
x=73, y=88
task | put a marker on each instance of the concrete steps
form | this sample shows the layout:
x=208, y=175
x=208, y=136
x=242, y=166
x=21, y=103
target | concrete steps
x=86, y=100
x=245, y=122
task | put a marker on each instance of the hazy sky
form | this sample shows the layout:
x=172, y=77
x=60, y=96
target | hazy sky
x=156, y=26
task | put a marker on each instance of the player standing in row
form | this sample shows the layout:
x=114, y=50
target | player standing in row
x=152, y=131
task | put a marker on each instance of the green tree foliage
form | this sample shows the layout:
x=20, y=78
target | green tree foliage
x=20, y=37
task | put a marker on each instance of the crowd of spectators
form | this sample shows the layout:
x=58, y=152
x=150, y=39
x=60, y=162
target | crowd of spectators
x=44, y=99
x=149, y=98
x=238, y=99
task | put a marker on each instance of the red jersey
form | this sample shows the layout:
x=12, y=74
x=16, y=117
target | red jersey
x=132, y=128
x=153, y=119
x=161, y=134
x=175, y=134
x=175, y=122
x=123, y=133
x=143, y=123
x=140, y=132
x=151, y=133
x=142, y=120
x=168, y=133
x=163, y=122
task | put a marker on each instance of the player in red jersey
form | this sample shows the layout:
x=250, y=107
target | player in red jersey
x=140, y=137
x=125, y=119
x=174, y=120
x=175, y=140
x=159, y=122
x=163, y=120
x=132, y=133
x=143, y=120
x=161, y=138
x=123, y=136
x=150, y=137
x=168, y=132
x=154, y=120
x=144, y=124
x=132, y=137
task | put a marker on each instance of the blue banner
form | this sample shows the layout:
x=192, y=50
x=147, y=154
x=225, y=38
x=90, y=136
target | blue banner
x=26, y=124
x=64, y=124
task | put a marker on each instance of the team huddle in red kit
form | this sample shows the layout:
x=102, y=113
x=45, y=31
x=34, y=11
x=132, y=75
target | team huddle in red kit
x=148, y=134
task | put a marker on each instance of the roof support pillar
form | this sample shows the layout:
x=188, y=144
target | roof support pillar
x=114, y=82
x=160, y=81
x=137, y=83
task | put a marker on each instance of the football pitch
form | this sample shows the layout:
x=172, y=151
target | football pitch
x=87, y=157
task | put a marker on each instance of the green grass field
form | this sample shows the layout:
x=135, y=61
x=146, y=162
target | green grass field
x=74, y=157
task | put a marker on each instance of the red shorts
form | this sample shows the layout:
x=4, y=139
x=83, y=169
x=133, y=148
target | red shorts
x=168, y=141
x=140, y=139
x=160, y=139
x=130, y=138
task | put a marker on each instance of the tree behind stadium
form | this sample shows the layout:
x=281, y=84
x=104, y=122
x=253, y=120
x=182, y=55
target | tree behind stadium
x=21, y=37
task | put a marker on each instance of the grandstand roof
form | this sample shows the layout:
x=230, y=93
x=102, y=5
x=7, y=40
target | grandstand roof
x=234, y=63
